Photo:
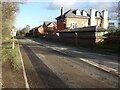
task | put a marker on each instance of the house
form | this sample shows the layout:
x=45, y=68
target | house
x=46, y=28
x=33, y=31
x=39, y=30
x=49, y=27
x=77, y=19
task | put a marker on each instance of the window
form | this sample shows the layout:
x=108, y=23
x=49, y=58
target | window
x=78, y=12
x=82, y=24
x=73, y=25
x=97, y=14
x=84, y=13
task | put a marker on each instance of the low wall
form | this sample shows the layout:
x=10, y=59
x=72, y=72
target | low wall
x=87, y=35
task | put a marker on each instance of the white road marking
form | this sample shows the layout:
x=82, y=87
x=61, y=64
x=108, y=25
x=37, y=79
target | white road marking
x=75, y=51
x=24, y=73
x=59, y=51
x=108, y=69
x=63, y=48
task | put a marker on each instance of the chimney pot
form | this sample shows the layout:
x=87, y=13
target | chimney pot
x=62, y=11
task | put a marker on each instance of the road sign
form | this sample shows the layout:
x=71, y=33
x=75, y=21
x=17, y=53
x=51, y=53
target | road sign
x=57, y=34
x=13, y=33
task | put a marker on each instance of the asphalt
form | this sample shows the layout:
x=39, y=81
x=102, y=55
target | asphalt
x=38, y=74
x=45, y=64
x=110, y=60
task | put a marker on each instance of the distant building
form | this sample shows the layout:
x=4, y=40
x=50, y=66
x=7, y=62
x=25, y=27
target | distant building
x=39, y=30
x=113, y=24
x=46, y=28
x=77, y=19
x=49, y=27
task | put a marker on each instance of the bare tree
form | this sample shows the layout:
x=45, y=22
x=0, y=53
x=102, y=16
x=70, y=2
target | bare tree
x=9, y=10
x=117, y=10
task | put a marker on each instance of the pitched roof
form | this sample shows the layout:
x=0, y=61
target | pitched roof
x=55, y=23
x=99, y=14
x=71, y=13
x=46, y=23
x=40, y=26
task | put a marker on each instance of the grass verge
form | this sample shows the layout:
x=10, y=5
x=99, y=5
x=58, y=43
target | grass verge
x=11, y=54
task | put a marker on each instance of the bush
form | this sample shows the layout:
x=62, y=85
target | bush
x=15, y=58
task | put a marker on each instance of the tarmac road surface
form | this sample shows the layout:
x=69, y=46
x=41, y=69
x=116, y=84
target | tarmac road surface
x=48, y=66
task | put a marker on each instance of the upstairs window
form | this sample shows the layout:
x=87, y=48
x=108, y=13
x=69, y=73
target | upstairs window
x=78, y=12
x=84, y=13
x=97, y=14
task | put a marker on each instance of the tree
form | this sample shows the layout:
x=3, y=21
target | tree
x=27, y=28
x=117, y=10
x=24, y=30
x=9, y=10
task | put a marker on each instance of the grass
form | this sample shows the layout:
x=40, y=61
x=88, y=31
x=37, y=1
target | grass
x=11, y=54
x=15, y=58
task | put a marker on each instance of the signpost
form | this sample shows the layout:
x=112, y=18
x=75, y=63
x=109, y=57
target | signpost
x=76, y=35
x=57, y=34
x=13, y=34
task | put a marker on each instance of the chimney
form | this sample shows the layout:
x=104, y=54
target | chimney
x=105, y=19
x=92, y=19
x=62, y=11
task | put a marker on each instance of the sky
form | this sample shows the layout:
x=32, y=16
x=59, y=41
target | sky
x=34, y=13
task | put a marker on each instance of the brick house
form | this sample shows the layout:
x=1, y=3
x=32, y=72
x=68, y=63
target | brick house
x=77, y=19
x=40, y=30
x=49, y=27
x=37, y=30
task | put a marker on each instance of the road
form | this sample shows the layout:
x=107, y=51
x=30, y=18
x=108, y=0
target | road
x=51, y=65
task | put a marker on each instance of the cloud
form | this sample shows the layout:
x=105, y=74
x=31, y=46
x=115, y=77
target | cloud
x=78, y=4
x=97, y=0
x=99, y=5
x=56, y=4
x=67, y=4
x=64, y=3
